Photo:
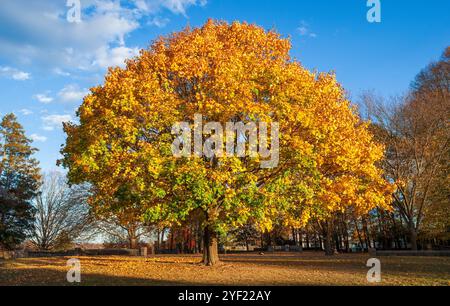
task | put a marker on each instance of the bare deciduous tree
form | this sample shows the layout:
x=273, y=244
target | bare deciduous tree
x=62, y=213
x=416, y=132
x=120, y=231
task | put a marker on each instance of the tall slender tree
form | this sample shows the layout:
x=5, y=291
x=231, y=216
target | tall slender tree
x=19, y=182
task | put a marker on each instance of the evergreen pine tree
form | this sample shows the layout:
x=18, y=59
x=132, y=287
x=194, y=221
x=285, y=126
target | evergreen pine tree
x=19, y=182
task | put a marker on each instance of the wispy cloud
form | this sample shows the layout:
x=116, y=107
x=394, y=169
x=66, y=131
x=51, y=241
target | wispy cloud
x=180, y=6
x=43, y=98
x=154, y=7
x=13, y=73
x=60, y=72
x=107, y=57
x=159, y=22
x=305, y=31
x=52, y=122
x=72, y=93
x=26, y=111
x=38, y=138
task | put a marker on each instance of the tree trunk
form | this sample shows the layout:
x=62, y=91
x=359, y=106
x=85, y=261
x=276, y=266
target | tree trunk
x=300, y=239
x=133, y=243
x=345, y=236
x=328, y=246
x=413, y=238
x=366, y=233
x=262, y=240
x=157, y=242
x=359, y=234
x=328, y=239
x=337, y=241
x=211, y=248
x=132, y=238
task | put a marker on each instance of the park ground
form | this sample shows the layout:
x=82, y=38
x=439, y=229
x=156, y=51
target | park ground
x=307, y=268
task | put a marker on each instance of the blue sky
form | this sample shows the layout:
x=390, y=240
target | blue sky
x=47, y=64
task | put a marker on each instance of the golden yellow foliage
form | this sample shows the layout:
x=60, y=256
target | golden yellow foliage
x=237, y=72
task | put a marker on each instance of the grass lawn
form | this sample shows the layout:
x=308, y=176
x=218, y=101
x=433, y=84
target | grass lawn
x=308, y=268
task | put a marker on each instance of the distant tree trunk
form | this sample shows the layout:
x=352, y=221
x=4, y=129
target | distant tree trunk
x=262, y=240
x=172, y=233
x=247, y=246
x=210, y=247
x=194, y=240
x=413, y=237
x=359, y=234
x=300, y=239
x=328, y=235
x=133, y=243
x=345, y=236
x=328, y=245
x=200, y=240
x=307, y=239
x=366, y=233
x=132, y=239
x=337, y=241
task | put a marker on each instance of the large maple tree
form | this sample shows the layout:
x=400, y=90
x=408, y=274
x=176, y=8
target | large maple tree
x=227, y=73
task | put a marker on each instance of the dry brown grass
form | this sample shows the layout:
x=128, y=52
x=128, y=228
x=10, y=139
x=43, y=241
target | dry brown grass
x=247, y=269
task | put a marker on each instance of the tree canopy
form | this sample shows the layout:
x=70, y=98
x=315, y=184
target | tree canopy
x=227, y=73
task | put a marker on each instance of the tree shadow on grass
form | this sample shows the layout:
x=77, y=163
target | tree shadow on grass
x=49, y=277
x=344, y=263
x=40, y=271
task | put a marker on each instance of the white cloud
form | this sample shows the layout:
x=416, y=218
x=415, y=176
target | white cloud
x=52, y=122
x=153, y=7
x=13, y=73
x=159, y=21
x=38, y=32
x=38, y=138
x=180, y=6
x=43, y=98
x=141, y=5
x=26, y=112
x=60, y=72
x=304, y=30
x=107, y=57
x=72, y=93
